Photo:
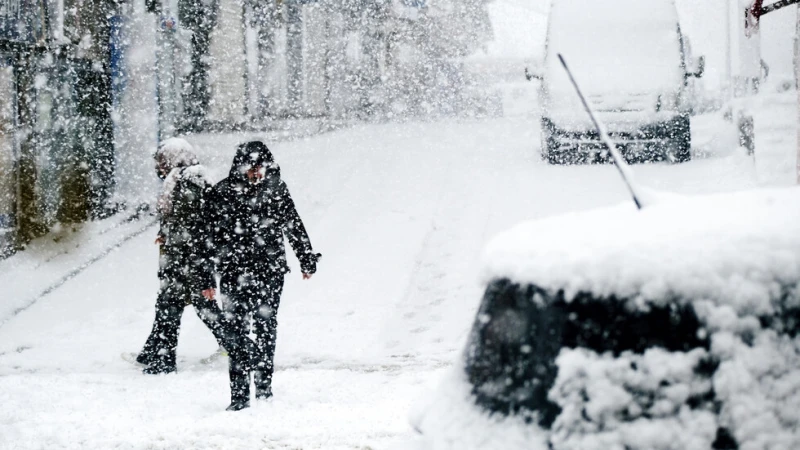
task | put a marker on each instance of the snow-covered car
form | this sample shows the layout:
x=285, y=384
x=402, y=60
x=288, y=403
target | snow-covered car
x=673, y=327
x=630, y=59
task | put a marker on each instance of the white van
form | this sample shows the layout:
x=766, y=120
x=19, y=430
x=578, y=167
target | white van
x=632, y=62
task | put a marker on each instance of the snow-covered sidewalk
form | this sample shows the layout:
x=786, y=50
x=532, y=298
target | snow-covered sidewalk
x=51, y=261
x=400, y=213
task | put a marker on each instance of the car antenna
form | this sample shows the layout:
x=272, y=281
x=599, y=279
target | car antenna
x=622, y=166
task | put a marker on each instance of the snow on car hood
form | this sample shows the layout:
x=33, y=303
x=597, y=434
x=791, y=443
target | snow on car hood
x=738, y=250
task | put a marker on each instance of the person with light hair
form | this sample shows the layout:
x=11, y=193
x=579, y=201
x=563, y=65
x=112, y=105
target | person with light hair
x=185, y=270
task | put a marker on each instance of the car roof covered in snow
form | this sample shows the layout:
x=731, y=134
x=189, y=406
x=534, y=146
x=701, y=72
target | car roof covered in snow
x=739, y=249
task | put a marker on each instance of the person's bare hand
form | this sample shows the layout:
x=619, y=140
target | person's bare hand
x=210, y=293
x=307, y=276
x=160, y=240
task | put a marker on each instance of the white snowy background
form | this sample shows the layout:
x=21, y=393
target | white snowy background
x=400, y=212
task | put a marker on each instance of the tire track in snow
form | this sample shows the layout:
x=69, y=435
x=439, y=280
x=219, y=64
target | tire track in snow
x=369, y=234
x=435, y=315
x=436, y=311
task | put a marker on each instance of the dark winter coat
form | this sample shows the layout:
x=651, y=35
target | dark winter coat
x=185, y=253
x=249, y=221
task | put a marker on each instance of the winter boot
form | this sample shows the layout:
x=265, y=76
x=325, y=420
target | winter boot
x=240, y=391
x=238, y=405
x=263, y=385
x=144, y=358
x=263, y=394
x=162, y=363
x=240, y=388
x=158, y=369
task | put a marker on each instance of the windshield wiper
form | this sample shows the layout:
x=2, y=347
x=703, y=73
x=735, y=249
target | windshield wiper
x=616, y=156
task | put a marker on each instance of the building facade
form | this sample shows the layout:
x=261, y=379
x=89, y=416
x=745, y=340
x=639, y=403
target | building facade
x=56, y=134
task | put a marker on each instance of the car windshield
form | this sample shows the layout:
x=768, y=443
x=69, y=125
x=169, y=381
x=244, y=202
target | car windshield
x=597, y=38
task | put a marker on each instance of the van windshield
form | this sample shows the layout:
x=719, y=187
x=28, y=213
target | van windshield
x=615, y=46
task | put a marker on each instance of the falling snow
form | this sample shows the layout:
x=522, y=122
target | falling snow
x=416, y=138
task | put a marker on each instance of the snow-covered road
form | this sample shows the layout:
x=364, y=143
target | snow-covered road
x=400, y=213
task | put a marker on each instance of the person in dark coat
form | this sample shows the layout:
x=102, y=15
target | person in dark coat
x=185, y=269
x=251, y=211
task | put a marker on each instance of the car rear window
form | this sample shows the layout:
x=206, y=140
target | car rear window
x=520, y=330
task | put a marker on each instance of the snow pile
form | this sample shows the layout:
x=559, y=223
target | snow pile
x=633, y=401
x=449, y=420
x=667, y=400
x=739, y=250
x=758, y=385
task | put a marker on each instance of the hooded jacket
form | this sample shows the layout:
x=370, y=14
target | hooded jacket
x=185, y=255
x=249, y=220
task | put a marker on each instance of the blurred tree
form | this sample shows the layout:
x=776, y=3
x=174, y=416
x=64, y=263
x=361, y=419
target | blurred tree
x=200, y=17
x=29, y=225
x=266, y=19
x=87, y=25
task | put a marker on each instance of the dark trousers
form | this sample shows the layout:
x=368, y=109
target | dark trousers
x=160, y=348
x=259, y=298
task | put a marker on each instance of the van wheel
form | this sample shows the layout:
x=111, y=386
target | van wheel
x=684, y=153
x=680, y=150
x=557, y=159
x=544, y=151
x=551, y=151
x=545, y=137
x=550, y=148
